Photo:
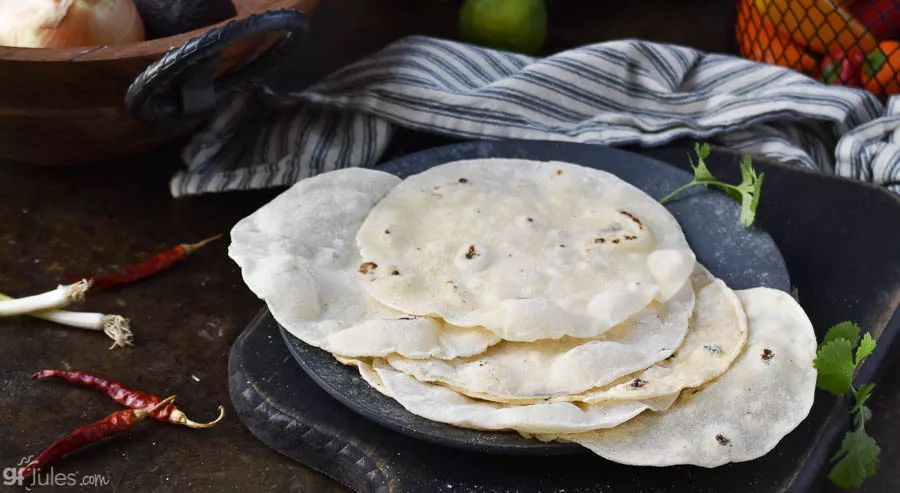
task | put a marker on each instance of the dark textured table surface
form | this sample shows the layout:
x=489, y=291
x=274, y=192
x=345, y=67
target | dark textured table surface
x=96, y=218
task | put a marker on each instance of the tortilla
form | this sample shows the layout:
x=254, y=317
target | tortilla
x=529, y=250
x=542, y=370
x=364, y=366
x=738, y=417
x=439, y=403
x=715, y=338
x=298, y=253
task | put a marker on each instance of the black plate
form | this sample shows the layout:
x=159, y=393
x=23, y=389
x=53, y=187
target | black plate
x=742, y=258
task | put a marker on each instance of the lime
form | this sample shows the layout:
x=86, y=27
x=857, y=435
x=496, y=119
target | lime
x=512, y=25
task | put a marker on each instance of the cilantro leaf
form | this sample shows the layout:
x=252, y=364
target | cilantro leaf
x=701, y=172
x=746, y=193
x=856, y=460
x=866, y=346
x=795, y=293
x=861, y=395
x=834, y=362
x=750, y=188
x=702, y=150
x=844, y=330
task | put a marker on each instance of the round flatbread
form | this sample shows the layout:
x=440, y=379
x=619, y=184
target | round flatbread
x=366, y=372
x=439, y=403
x=715, y=338
x=545, y=369
x=738, y=417
x=298, y=253
x=529, y=250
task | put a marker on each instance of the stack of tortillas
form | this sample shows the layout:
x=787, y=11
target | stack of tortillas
x=542, y=297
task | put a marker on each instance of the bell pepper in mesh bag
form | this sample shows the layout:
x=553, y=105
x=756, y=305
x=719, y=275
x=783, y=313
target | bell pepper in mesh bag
x=760, y=41
x=881, y=73
x=822, y=25
x=842, y=67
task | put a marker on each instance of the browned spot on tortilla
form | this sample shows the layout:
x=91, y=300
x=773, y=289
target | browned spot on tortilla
x=638, y=383
x=530, y=220
x=406, y=318
x=395, y=272
x=559, y=172
x=562, y=246
x=615, y=240
x=387, y=231
x=471, y=252
x=600, y=240
x=633, y=218
x=767, y=355
x=463, y=180
x=367, y=267
x=723, y=440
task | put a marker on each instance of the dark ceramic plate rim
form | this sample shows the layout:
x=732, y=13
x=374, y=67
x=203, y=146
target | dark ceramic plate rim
x=311, y=359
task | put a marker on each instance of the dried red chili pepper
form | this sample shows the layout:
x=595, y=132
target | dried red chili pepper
x=153, y=265
x=113, y=424
x=128, y=397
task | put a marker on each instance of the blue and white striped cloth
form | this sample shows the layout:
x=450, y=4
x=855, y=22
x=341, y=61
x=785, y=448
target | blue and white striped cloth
x=616, y=93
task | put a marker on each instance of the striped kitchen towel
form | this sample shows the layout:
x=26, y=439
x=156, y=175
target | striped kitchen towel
x=616, y=93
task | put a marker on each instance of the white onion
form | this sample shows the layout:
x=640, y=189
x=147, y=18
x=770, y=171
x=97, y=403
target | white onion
x=67, y=23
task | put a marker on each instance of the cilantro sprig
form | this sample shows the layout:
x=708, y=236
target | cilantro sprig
x=836, y=362
x=746, y=192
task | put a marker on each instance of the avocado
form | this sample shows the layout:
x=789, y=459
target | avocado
x=169, y=17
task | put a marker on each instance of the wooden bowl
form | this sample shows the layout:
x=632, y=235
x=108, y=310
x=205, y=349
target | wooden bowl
x=65, y=106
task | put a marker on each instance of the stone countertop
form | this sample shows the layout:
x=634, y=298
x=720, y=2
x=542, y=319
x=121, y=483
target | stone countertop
x=94, y=219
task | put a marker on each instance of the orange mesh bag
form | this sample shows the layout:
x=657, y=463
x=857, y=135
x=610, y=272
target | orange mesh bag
x=842, y=42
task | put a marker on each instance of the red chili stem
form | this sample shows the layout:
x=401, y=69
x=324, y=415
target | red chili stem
x=113, y=424
x=128, y=397
x=153, y=265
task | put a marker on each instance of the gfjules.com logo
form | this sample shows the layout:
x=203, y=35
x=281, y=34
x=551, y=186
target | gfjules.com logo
x=49, y=477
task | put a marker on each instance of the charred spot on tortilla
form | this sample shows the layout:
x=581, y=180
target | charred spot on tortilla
x=633, y=218
x=367, y=267
x=387, y=231
x=767, y=355
x=723, y=440
x=463, y=180
x=395, y=272
x=471, y=252
x=600, y=240
x=638, y=383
